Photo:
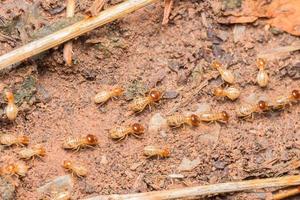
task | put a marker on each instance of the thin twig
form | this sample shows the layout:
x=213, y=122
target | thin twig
x=286, y=193
x=72, y=31
x=68, y=49
x=96, y=7
x=193, y=192
x=167, y=11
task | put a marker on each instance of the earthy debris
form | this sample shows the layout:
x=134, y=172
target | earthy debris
x=283, y=14
x=96, y=7
x=7, y=189
x=188, y=165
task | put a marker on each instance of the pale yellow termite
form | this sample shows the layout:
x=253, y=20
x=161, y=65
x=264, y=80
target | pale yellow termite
x=285, y=100
x=262, y=76
x=11, y=109
x=179, y=120
x=28, y=153
x=211, y=117
x=105, y=95
x=122, y=132
x=152, y=151
x=80, y=142
x=9, y=140
x=75, y=168
x=230, y=92
x=226, y=74
x=139, y=104
x=19, y=169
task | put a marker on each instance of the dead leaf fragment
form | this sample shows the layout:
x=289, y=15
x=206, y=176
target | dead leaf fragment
x=282, y=14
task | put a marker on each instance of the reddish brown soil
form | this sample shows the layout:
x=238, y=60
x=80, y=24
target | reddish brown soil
x=151, y=54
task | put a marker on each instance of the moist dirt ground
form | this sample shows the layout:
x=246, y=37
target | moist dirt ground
x=138, y=53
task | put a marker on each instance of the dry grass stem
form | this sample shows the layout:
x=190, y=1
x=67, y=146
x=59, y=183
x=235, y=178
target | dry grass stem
x=204, y=190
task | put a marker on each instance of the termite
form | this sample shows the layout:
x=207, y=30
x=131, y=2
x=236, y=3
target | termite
x=105, y=95
x=139, y=104
x=122, y=132
x=179, y=120
x=32, y=152
x=9, y=140
x=226, y=74
x=246, y=110
x=154, y=151
x=81, y=142
x=11, y=109
x=262, y=76
x=211, y=117
x=19, y=169
x=282, y=101
x=75, y=168
x=230, y=92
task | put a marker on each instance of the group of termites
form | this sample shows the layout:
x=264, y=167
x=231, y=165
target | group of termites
x=138, y=105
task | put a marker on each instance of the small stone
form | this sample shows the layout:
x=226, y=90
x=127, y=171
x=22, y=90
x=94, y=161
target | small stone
x=61, y=183
x=104, y=160
x=171, y=94
x=219, y=165
x=157, y=123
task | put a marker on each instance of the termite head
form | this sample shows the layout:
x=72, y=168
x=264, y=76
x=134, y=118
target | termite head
x=218, y=92
x=10, y=97
x=41, y=151
x=261, y=63
x=118, y=91
x=296, y=94
x=138, y=128
x=225, y=116
x=11, y=169
x=262, y=105
x=155, y=95
x=216, y=64
x=91, y=139
x=24, y=140
x=165, y=152
x=67, y=164
x=195, y=121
